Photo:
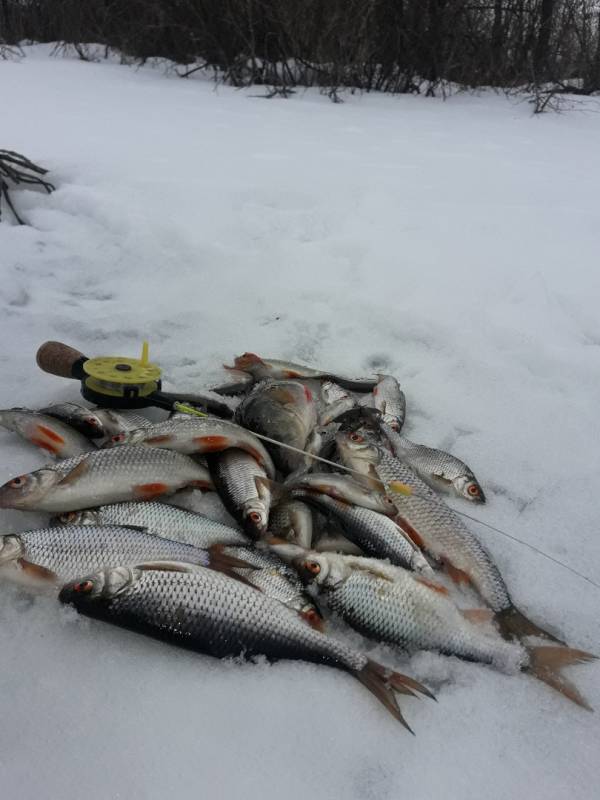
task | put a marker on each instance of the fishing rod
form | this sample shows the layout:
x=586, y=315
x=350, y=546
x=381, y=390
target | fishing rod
x=125, y=383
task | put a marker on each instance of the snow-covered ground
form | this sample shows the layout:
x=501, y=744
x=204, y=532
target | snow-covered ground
x=454, y=244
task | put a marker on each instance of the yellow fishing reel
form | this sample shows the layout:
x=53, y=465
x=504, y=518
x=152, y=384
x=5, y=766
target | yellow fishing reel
x=122, y=382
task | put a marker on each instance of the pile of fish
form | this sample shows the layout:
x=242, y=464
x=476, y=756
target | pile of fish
x=333, y=512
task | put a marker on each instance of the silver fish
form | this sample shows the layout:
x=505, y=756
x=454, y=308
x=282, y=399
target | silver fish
x=61, y=554
x=238, y=382
x=335, y=402
x=438, y=530
x=374, y=533
x=160, y=519
x=197, y=435
x=345, y=488
x=83, y=419
x=292, y=520
x=113, y=421
x=284, y=411
x=436, y=467
x=389, y=399
x=261, y=368
x=395, y=606
x=234, y=474
x=277, y=580
x=104, y=476
x=45, y=432
x=211, y=613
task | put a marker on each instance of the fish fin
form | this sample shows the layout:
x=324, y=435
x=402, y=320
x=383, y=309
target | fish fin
x=514, y=624
x=169, y=566
x=455, y=573
x=436, y=587
x=313, y=617
x=546, y=662
x=399, y=682
x=37, y=571
x=478, y=616
x=221, y=561
x=278, y=491
x=75, y=473
x=377, y=685
x=161, y=439
x=212, y=444
x=148, y=491
x=399, y=488
x=410, y=532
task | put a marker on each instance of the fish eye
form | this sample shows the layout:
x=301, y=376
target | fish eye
x=312, y=567
x=255, y=516
x=118, y=437
x=92, y=421
x=84, y=587
x=473, y=489
x=388, y=501
x=356, y=437
x=17, y=482
x=311, y=615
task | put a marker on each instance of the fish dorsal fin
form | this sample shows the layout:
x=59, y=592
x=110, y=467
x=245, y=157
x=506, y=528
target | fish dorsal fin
x=73, y=475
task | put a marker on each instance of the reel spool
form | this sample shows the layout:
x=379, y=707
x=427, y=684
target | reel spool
x=116, y=380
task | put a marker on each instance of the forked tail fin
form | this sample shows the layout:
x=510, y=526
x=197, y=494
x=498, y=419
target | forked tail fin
x=383, y=682
x=546, y=663
x=514, y=624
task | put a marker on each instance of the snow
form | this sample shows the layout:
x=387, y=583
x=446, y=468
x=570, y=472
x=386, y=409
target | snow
x=453, y=244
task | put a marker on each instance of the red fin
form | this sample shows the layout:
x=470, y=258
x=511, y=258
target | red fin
x=410, y=532
x=478, y=616
x=454, y=573
x=247, y=360
x=212, y=444
x=44, y=445
x=431, y=585
x=37, y=571
x=380, y=681
x=159, y=439
x=208, y=485
x=308, y=394
x=290, y=373
x=50, y=434
x=314, y=620
x=147, y=491
x=546, y=662
x=75, y=473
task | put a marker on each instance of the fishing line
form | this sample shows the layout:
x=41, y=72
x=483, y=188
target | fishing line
x=430, y=500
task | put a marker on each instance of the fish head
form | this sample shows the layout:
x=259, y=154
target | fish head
x=313, y=568
x=86, y=517
x=25, y=490
x=356, y=450
x=11, y=549
x=256, y=517
x=127, y=437
x=466, y=486
x=105, y=584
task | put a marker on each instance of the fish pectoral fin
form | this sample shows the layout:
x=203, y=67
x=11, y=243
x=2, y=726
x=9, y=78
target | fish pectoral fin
x=455, y=573
x=221, y=560
x=74, y=474
x=546, y=662
x=277, y=491
x=37, y=572
x=478, y=616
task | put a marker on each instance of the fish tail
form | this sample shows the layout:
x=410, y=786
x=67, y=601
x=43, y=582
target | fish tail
x=382, y=683
x=546, y=663
x=514, y=624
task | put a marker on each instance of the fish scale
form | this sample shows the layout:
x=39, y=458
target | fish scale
x=160, y=519
x=434, y=524
x=103, y=476
x=234, y=474
x=76, y=549
x=215, y=615
x=375, y=534
x=413, y=615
